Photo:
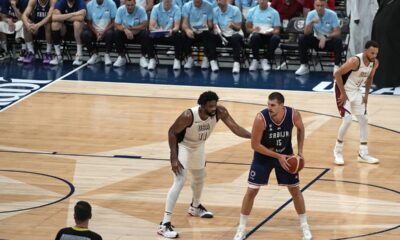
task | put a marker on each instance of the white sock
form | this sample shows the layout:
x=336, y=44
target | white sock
x=303, y=219
x=79, y=49
x=48, y=48
x=23, y=46
x=363, y=149
x=58, y=50
x=243, y=220
x=30, y=47
x=339, y=146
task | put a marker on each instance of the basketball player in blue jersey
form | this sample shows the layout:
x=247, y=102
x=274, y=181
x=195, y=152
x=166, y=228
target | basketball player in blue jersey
x=37, y=21
x=186, y=139
x=351, y=76
x=271, y=140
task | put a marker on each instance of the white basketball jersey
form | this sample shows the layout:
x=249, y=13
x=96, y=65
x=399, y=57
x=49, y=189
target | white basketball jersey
x=357, y=78
x=199, y=131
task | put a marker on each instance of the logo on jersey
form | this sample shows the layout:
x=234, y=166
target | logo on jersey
x=14, y=90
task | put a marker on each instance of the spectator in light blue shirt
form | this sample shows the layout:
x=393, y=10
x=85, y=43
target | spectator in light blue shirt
x=227, y=29
x=196, y=21
x=130, y=26
x=166, y=16
x=100, y=26
x=263, y=23
x=322, y=31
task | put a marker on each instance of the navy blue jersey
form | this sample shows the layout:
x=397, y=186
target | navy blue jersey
x=62, y=6
x=41, y=10
x=6, y=8
x=277, y=136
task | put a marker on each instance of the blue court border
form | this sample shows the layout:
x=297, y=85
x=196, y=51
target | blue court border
x=69, y=184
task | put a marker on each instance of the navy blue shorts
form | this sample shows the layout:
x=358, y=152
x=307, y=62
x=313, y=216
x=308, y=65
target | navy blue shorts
x=261, y=169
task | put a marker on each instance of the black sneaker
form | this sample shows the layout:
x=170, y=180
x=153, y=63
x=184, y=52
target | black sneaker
x=199, y=211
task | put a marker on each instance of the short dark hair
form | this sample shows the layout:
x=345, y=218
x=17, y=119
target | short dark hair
x=278, y=96
x=207, y=97
x=371, y=43
x=82, y=211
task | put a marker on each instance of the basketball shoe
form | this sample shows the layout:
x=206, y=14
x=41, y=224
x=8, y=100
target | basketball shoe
x=166, y=230
x=338, y=154
x=199, y=211
x=240, y=233
x=364, y=157
x=306, y=232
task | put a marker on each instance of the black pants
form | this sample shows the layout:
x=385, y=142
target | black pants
x=141, y=37
x=235, y=41
x=203, y=37
x=89, y=40
x=309, y=41
x=258, y=40
x=175, y=40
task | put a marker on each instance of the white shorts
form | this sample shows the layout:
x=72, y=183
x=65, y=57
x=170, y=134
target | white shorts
x=192, y=158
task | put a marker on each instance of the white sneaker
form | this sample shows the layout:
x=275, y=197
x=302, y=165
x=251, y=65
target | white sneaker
x=152, y=64
x=77, y=61
x=205, y=64
x=107, y=59
x=200, y=211
x=94, y=59
x=265, y=65
x=166, y=230
x=306, y=232
x=121, y=61
x=240, y=234
x=253, y=65
x=214, y=66
x=338, y=154
x=365, y=158
x=335, y=68
x=303, y=69
x=236, y=67
x=189, y=63
x=177, y=64
x=56, y=60
x=143, y=62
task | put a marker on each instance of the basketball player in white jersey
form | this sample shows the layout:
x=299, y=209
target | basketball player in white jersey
x=186, y=139
x=350, y=78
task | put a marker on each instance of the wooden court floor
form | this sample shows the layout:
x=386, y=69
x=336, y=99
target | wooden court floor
x=68, y=142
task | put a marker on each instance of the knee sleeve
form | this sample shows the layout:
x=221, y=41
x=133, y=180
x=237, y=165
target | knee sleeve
x=175, y=190
x=363, y=121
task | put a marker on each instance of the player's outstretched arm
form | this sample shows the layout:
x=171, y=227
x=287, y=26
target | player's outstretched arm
x=224, y=115
x=298, y=122
x=182, y=122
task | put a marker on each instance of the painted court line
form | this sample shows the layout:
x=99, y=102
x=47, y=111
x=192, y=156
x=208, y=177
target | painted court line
x=33, y=93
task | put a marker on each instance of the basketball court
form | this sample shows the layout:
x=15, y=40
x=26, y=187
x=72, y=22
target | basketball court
x=95, y=136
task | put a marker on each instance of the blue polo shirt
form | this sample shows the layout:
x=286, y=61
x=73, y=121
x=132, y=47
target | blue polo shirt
x=6, y=9
x=197, y=16
x=62, y=6
x=101, y=15
x=223, y=19
x=267, y=18
x=326, y=24
x=165, y=19
x=246, y=5
x=135, y=18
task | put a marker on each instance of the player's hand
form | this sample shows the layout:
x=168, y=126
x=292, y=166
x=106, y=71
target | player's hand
x=34, y=28
x=176, y=167
x=315, y=21
x=300, y=155
x=189, y=33
x=99, y=35
x=282, y=161
x=342, y=99
x=322, y=42
x=13, y=3
x=128, y=33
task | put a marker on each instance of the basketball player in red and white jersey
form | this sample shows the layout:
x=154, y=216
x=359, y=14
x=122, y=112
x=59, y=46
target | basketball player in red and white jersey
x=186, y=139
x=350, y=78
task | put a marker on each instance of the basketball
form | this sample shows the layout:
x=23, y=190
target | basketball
x=296, y=164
